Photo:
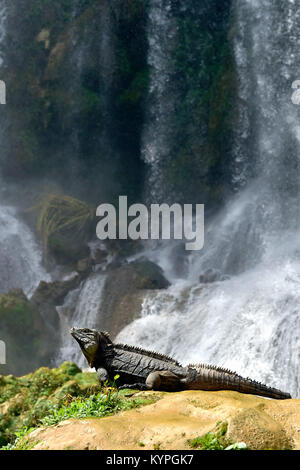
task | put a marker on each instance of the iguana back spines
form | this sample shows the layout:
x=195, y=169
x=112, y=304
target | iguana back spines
x=144, y=352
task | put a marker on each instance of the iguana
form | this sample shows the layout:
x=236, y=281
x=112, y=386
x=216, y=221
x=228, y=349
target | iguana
x=146, y=370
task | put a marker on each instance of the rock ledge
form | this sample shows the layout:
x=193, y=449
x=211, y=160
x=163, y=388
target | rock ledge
x=177, y=417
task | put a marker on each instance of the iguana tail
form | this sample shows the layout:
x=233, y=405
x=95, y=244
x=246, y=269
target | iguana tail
x=204, y=377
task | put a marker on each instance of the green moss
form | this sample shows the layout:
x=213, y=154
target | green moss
x=25, y=401
x=19, y=329
x=49, y=396
x=16, y=312
x=71, y=369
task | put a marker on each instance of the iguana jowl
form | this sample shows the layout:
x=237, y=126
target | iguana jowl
x=145, y=370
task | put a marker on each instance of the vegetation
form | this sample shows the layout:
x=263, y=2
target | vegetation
x=21, y=330
x=65, y=225
x=102, y=404
x=26, y=400
x=216, y=440
x=49, y=396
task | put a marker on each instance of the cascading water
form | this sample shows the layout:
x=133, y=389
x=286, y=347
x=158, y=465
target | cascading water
x=251, y=321
x=3, y=8
x=20, y=256
x=80, y=309
x=161, y=103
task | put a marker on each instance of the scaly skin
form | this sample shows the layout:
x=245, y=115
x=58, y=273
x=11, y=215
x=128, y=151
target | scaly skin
x=146, y=370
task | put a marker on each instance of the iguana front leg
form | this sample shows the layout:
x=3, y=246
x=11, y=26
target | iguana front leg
x=157, y=380
x=102, y=375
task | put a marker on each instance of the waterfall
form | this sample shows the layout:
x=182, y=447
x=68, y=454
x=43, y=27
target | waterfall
x=20, y=256
x=3, y=8
x=248, y=318
x=80, y=309
x=250, y=321
x=161, y=101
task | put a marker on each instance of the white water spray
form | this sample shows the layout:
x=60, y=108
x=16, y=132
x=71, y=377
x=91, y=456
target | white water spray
x=250, y=322
x=81, y=309
x=20, y=255
x=161, y=103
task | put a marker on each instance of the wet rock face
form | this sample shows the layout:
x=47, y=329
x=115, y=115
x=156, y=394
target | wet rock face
x=177, y=418
x=84, y=81
x=124, y=292
x=73, y=50
x=24, y=333
x=84, y=266
x=146, y=275
x=54, y=293
x=30, y=328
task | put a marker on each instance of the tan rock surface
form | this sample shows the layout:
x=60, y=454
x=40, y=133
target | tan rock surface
x=177, y=417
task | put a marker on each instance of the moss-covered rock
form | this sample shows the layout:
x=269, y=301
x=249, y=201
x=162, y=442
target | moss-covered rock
x=26, y=400
x=79, y=104
x=202, y=72
x=24, y=333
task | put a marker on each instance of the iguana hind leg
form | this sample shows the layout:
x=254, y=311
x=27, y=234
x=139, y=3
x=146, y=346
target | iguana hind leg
x=163, y=380
x=158, y=380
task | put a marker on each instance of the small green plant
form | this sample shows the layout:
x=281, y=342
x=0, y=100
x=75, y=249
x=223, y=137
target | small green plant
x=141, y=444
x=207, y=442
x=101, y=404
x=20, y=443
x=107, y=402
x=216, y=440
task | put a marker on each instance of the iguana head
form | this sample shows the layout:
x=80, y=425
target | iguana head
x=91, y=343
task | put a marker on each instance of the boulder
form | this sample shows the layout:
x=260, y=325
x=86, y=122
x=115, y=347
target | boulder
x=54, y=293
x=145, y=274
x=124, y=291
x=177, y=419
x=50, y=295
